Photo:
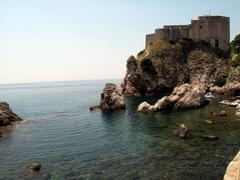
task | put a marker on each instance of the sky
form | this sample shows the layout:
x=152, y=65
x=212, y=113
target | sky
x=60, y=40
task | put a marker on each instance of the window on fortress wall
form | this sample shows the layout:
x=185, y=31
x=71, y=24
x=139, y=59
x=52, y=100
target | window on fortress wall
x=200, y=27
x=216, y=43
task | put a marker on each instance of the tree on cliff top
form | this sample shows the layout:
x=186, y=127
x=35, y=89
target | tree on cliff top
x=235, y=44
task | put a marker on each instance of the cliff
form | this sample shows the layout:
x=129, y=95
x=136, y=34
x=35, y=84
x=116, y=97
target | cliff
x=163, y=65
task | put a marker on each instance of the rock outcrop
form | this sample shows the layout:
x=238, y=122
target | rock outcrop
x=34, y=167
x=233, y=169
x=185, y=96
x=7, y=116
x=232, y=86
x=181, y=72
x=163, y=65
x=111, y=98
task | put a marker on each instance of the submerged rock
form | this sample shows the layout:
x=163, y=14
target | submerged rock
x=222, y=113
x=210, y=137
x=208, y=121
x=111, y=98
x=182, y=132
x=7, y=116
x=34, y=167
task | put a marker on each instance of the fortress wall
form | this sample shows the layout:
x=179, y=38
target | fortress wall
x=213, y=29
x=150, y=38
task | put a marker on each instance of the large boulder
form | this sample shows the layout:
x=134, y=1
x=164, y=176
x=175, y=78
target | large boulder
x=7, y=116
x=112, y=98
x=185, y=96
x=232, y=172
x=144, y=107
x=188, y=96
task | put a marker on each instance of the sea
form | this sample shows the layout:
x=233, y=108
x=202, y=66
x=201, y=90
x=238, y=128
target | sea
x=70, y=142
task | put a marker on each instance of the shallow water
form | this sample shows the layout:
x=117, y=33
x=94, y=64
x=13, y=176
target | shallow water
x=71, y=142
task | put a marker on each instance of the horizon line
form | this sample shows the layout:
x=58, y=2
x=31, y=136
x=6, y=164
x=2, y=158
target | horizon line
x=56, y=81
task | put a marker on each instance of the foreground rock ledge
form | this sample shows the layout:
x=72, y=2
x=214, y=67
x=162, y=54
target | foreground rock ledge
x=185, y=96
x=111, y=98
x=233, y=169
x=7, y=116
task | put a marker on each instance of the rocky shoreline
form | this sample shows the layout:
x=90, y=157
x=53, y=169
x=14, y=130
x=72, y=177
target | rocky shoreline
x=7, y=116
x=180, y=72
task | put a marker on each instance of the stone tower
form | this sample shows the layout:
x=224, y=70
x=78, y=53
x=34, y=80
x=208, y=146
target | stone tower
x=213, y=29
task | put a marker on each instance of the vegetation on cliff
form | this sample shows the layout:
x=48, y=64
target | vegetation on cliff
x=235, y=47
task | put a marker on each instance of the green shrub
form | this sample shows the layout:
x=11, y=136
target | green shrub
x=235, y=60
x=141, y=53
x=235, y=44
x=147, y=65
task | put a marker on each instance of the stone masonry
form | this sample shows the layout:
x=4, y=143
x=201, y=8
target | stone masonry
x=213, y=29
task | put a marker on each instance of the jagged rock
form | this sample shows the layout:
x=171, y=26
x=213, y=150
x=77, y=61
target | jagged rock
x=7, y=116
x=189, y=96
x=231, y=88
x=93, y=108
x=111, y=98
x=162, y=103
x=183, y=97
x=34, y=167
x=182, y=132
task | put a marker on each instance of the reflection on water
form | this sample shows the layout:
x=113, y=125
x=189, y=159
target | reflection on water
x=72, y=143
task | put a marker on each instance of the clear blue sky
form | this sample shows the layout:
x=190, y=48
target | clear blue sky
x=53, y=40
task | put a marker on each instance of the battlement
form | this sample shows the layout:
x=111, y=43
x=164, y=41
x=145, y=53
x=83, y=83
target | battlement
x=213, y=29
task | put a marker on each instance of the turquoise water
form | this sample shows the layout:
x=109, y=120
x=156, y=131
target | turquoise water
x=71, y=142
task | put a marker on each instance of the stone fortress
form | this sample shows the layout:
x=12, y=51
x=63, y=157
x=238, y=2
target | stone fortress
x=213, y=29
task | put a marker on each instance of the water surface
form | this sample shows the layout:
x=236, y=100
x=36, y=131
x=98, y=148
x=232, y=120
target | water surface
x=71, y=142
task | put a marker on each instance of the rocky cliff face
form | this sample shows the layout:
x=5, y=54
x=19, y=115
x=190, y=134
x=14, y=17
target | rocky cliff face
x=7, y=116
x=163, y=65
